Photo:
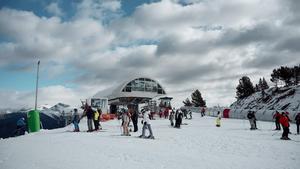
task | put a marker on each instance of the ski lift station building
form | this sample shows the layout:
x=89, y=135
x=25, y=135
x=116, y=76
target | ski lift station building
x=134, y=91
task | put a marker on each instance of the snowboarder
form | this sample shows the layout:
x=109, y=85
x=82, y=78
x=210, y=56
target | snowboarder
x=21, y=127
x=134, y=119
x=251, y=117
x=146, y=125
x=277, y=116
x=125, y=123
x=96, y=119
x=76, y=120
x=171, y=117
x=218, y=120
x=178, y=118
x=89, y=114
x=284, y=121
x=297, y=119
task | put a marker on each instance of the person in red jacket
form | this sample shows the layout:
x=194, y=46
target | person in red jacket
x=277, y=116
x=284, y=121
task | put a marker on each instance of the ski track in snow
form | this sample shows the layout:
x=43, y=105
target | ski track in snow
x=197, y=145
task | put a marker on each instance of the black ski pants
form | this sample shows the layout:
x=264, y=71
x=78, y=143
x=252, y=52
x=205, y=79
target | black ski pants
x=277, y=125
x=297, y=127
x=286, y=131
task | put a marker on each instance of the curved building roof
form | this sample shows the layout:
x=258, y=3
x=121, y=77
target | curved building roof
x=134, y=90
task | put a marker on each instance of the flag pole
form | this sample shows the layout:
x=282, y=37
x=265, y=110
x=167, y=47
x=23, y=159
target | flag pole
x=36, y=87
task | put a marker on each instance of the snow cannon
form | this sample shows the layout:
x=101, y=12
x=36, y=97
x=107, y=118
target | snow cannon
x=33, y=121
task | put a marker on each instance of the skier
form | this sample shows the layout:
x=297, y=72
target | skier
x=251, y=118
x=166, y=113
x=190, y=114
x=297, y=119
x=76, y=120
x=89, y=114
x=277, y=116
x=171, y=117
x=96, y=119
x=146, y=125
x=284, y=121
x=202, y=112
x=218, y=120
x=21, y=127
x=178, y=118
x=134, y=118
x=125, y=123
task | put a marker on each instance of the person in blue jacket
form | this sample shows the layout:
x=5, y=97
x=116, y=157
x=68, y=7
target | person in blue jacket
x=76, y=120
x=21, y=127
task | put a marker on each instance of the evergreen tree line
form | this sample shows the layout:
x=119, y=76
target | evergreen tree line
x=289, y=75
x=197, y=100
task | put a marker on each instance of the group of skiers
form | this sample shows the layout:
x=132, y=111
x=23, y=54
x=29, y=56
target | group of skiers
x=280, y=120
x=93, y=116
x=132, y=116
x=284, y=120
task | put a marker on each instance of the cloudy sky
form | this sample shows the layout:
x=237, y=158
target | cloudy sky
x=87, y=46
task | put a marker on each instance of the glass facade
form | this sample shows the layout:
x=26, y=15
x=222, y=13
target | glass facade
x=144, y=85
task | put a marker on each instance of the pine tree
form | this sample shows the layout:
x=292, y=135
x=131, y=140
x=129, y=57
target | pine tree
x=197, y=99
x=187, y=102
x=275, y=77
x=245, y=88
x=264, y=84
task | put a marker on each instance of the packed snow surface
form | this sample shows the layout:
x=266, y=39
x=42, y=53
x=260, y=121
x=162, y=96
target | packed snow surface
x=199, y=144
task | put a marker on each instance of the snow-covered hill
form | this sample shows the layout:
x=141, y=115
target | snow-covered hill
x=285, y=98
x=198, y=145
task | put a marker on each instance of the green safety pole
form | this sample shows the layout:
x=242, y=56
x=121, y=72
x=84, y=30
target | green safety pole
x=33, y=116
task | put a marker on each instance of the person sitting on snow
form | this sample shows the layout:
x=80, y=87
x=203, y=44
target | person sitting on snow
x=21, y=127
x=146, y=125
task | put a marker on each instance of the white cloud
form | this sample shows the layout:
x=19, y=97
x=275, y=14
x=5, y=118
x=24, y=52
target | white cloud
x=54, y=9
x=205, y=45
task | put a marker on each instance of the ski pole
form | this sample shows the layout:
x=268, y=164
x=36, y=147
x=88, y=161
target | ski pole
x=275, y=133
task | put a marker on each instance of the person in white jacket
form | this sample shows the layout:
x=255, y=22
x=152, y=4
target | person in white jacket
x=146, y=125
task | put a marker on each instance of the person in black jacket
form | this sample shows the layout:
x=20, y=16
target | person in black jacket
x=134, y=118
x=297, y=119
x=252, y=119
x=178, y=118
x=89, y=114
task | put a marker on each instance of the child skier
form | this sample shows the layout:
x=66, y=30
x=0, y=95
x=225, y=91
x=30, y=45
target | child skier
x=218, y=120
x=96, y=119
x=146, y=125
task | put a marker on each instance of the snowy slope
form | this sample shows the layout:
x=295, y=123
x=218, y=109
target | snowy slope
x=197, y=145
x=285, y=98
